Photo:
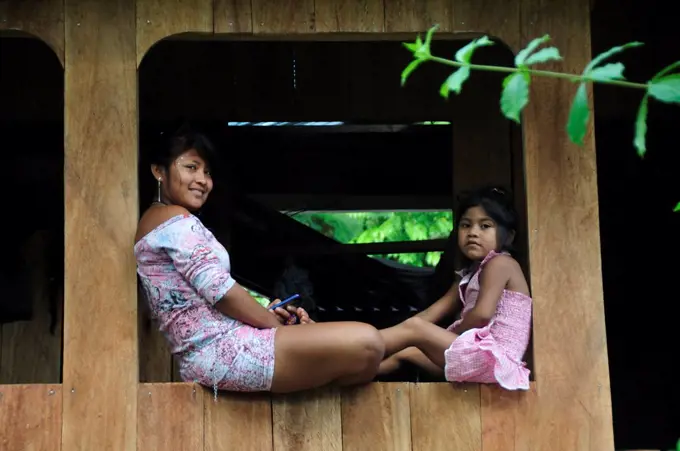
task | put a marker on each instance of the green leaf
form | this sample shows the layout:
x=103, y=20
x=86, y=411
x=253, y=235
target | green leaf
x=612, y=51
x=414, y=46
x=428, y=36
x=578, y=116
x=464, y=55
x=613, y=71
x=543, y=56
x=432, y=258
x=641, y=128
x=421, y=52
x=663, y=72
x=409, y=69
x=675, y=210
x=525, y=52
x=420, y=49
x=666, y=89
x=515, y=95
x=455, y=82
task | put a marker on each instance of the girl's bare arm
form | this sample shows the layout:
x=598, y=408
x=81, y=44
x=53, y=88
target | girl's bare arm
x=493, y=280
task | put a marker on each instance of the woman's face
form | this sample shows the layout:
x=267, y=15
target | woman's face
x=187, y=182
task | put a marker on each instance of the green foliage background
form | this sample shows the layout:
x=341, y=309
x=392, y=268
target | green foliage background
x=384, y=227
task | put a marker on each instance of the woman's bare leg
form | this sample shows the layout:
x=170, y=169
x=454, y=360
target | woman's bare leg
x=431, y=339
x=312, y=355
x=409, y=355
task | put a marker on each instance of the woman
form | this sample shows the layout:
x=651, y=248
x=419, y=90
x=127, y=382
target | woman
x=223, y=337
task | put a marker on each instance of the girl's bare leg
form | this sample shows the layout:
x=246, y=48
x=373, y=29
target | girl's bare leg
x=410, y=355
x=429, y=338
x=312, y=355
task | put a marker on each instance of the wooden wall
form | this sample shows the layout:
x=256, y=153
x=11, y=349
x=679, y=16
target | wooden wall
x=101, y=403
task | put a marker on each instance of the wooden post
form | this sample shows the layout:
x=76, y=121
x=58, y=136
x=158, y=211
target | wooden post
x=100, y=175
x=572, y=406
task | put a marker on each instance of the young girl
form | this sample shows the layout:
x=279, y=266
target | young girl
x=487, y=343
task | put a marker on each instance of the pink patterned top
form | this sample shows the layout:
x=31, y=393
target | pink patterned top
x=185, y=271
x=493, y=353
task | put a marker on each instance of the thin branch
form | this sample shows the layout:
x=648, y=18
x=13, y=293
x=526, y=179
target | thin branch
x=543, y=73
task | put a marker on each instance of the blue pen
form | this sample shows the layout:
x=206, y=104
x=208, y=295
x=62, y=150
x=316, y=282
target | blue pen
x=284, y=302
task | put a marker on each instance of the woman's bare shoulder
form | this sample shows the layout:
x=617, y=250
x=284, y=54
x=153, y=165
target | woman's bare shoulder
x=155, y=216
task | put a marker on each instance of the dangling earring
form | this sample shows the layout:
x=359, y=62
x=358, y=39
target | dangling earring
x=158, y=198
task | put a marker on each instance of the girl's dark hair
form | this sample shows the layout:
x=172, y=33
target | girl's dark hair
x=169, y=146
x=498, y=204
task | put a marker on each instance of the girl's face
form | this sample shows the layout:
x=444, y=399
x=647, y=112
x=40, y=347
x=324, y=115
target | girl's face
x=477, y=234
x=187, y=182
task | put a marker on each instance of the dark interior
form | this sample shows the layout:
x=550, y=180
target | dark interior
x=639, y=278
x=32, y=148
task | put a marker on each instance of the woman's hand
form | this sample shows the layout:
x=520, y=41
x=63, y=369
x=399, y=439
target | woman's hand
x=281, y=315
x=290, y=315
x=301, y=314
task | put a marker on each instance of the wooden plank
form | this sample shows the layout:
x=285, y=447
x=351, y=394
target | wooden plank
x=418, y=15
x=30, y=416
x=170, y=417
x=283, y=16
x=238, y=421
x=570, y=425
x=570, y=354
x=233, y=16
x=499, y=411
x=376, y=417
x=41, y=18
x=100, y=370
x=497, y=18
x=307, y=421
x=362, y=16
x=445, y=416
x=158, y=19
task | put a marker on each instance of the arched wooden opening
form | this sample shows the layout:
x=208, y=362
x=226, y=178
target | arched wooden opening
x=31, y=309
x=333, y=131
x=31, y=124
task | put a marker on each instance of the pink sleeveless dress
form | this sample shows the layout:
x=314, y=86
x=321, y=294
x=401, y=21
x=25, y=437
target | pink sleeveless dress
x=493, y=353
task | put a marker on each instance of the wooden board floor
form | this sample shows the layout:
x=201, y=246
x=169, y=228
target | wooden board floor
x=376, y=416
